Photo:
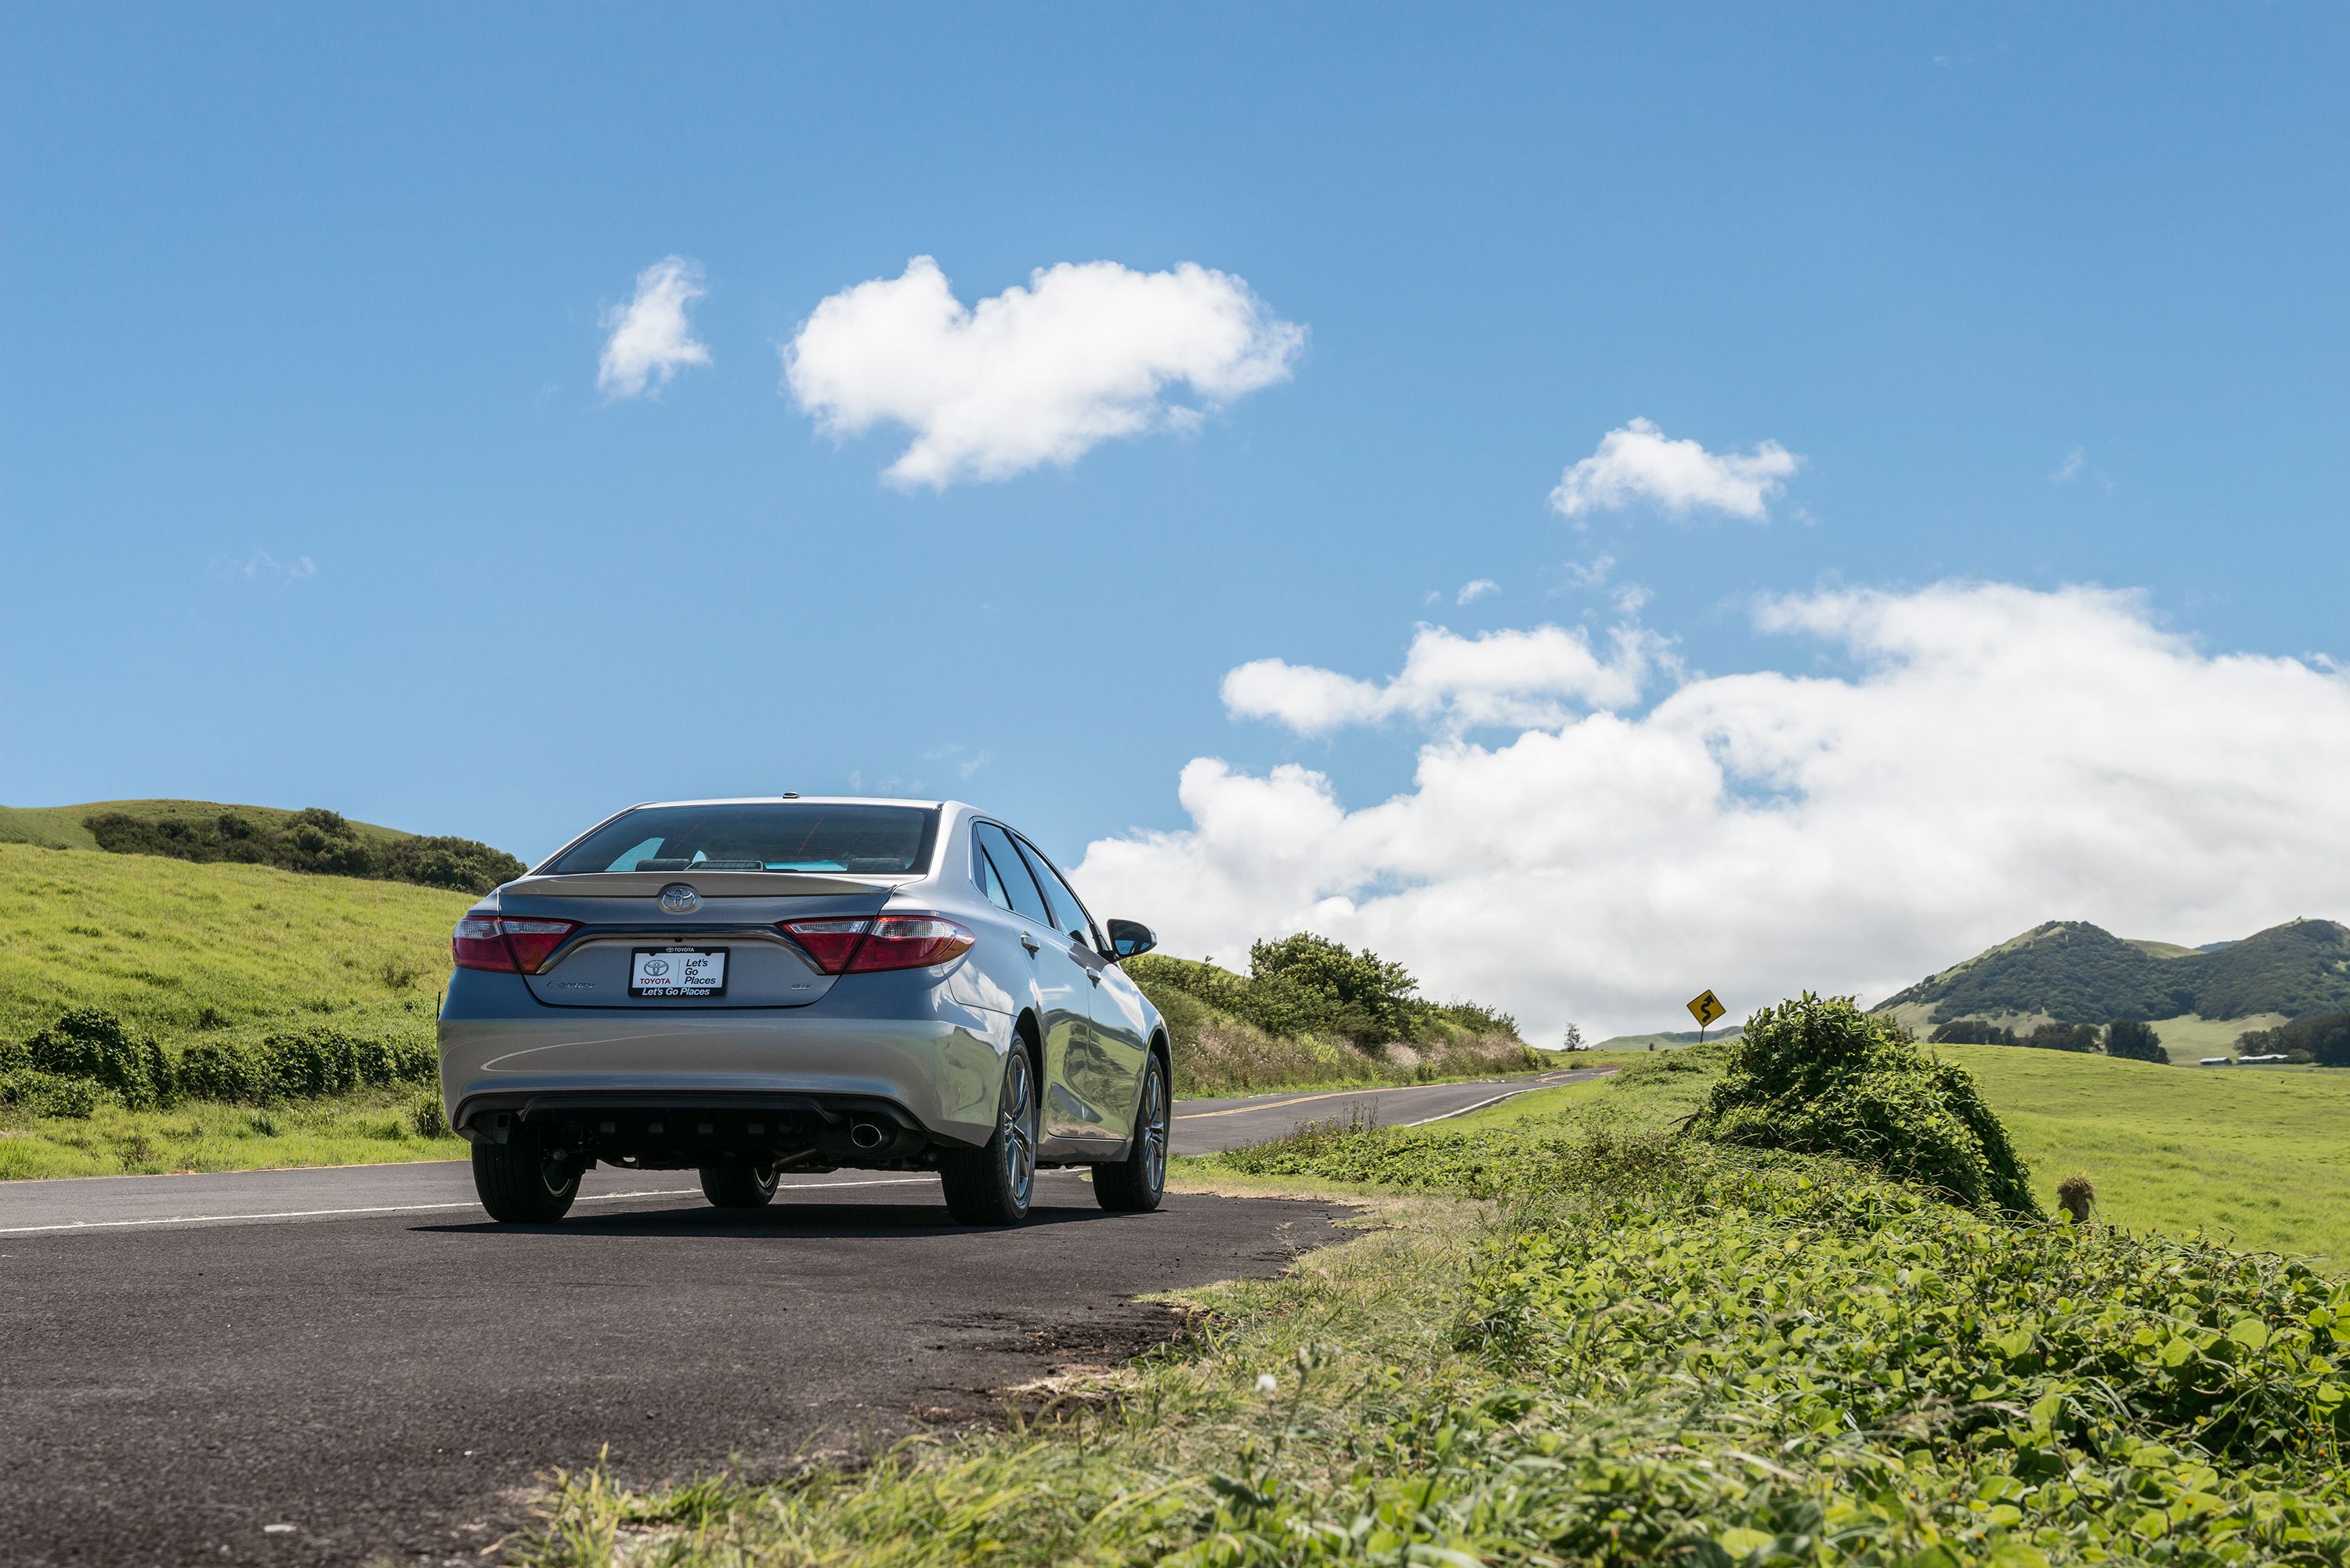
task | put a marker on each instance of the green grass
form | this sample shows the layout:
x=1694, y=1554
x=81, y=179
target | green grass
x=178, y=948
x=2191, y=1035
x=2253, y=1156
x=357, y=1129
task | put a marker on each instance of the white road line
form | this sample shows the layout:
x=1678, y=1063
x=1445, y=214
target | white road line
x=425, y=1208
x=1481, y=1105
x=1353, y=1095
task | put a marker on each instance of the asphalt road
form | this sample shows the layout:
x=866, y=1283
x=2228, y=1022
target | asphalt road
x=348, y=1365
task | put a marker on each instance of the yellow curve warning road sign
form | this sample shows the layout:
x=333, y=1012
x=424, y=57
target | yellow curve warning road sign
x=1705, y=1007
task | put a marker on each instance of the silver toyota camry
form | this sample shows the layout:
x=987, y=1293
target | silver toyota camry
x=747, y=987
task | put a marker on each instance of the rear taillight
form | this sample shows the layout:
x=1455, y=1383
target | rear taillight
x=829, y=944
x=511, y=947
x=890, y=941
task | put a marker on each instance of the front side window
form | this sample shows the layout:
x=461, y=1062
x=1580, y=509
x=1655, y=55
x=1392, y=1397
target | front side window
x=758, y=835
x=998, y=858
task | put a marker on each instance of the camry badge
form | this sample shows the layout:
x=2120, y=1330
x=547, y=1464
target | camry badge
x=680, y=899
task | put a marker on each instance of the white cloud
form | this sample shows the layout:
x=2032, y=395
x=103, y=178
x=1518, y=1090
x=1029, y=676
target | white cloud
x=2070, y=468
x=1456, y=683
x=1476, y=590
x=1591, y=574
x=261, y=566
x=1035, y=375
x=650, y=338
x=1993, y=757
x=1639, y=462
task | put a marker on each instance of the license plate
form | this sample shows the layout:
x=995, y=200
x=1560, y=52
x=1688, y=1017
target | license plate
x=677, y=971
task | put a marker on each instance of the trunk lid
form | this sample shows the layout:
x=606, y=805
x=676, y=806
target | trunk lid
x=623, y=915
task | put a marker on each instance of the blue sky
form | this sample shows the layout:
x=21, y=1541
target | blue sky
x=310, y=495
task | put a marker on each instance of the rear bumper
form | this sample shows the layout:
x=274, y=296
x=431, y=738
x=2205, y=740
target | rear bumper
x=503, y=1055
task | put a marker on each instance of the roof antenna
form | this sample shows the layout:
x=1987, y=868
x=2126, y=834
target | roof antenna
x=789, y=794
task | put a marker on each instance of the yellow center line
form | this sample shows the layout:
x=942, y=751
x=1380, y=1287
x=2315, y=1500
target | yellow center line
x=1328, y=1094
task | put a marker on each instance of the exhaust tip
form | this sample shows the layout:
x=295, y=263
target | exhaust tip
x=866, y=1135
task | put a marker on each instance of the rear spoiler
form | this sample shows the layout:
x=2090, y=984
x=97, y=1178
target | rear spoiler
x=709, y=884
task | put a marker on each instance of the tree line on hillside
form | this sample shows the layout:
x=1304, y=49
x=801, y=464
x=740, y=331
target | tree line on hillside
x=2132, y=1038
x=2323, y=1039
x=2074, y=970
x=1307, y=984
x=314, y=840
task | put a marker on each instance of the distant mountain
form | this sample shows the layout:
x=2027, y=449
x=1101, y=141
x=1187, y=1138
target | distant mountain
x=2073, y=970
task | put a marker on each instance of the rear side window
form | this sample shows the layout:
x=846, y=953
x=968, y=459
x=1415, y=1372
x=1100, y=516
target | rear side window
x=996, y=858
x=759, y=835
x=983, y=872
x=1068, y=915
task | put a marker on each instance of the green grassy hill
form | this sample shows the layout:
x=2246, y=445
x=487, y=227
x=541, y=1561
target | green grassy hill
x=2075, y=973
x=311, y=840
x=65, y=826
x=181, y=949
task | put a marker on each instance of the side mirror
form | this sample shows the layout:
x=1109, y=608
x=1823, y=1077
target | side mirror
x=1132, y=938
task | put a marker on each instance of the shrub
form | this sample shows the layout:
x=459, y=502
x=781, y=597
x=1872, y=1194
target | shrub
x=324, y=843
x=311, y=840
x=92, y=1044
x=1972, y=1032
x=1308, y=985
x=1820, y=1077
x=39, y=1093
x=304, y=1064
x=2134, y=1040
x=2077, y=1195
x=2052, y=1036
x=1307, y=981
x=462, y=864
x=226, y=1070
x=427, y=1116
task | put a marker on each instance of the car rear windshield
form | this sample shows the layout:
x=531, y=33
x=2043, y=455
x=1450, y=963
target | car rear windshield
x=783, y=835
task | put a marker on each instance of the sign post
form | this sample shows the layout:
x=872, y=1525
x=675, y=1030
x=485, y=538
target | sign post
x=1705, y=1007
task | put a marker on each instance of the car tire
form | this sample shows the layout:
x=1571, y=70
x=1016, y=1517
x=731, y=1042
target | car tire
x=523, y=1183
x=739, y=1186
x=994, y=1185
x=1133, y=1185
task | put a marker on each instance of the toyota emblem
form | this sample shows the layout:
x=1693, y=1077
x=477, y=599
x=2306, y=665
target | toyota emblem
x=680, y=899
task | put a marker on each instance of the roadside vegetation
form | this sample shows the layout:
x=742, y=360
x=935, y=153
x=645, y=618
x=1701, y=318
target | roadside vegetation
x=1594, y=1338
x=87, y=1097
x=1310, y=1011
x=159, y=1015
x=2253, y=1160
x=366, y=1127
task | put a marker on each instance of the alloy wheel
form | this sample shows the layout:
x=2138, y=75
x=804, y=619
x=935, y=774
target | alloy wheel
x=1154, y=1127
x=1019, y=1133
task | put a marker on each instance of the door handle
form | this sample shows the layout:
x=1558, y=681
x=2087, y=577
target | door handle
x=1031, y=943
